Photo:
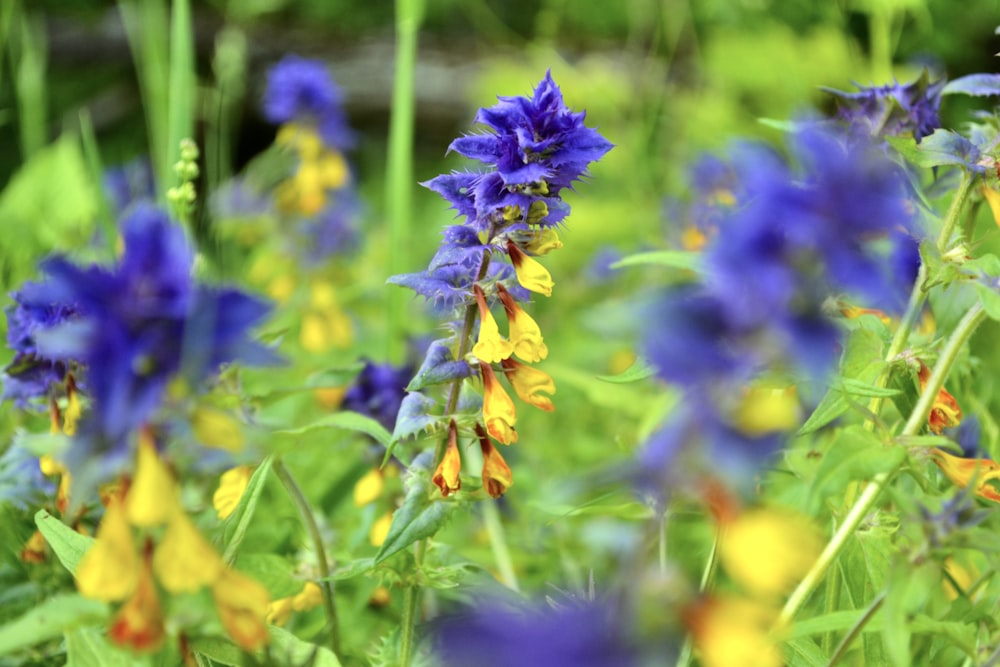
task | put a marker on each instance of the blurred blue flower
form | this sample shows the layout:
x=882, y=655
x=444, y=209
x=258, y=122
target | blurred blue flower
x=334, y=230
x=578, y=634
x=21, y=480
x=378, y=391
x=894, y=109
x=129, y=184
x=302, y=90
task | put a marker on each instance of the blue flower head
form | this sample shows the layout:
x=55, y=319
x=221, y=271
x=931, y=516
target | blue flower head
x=302, y=90
x=378, y=392
x=894, y=109
x=129, y=184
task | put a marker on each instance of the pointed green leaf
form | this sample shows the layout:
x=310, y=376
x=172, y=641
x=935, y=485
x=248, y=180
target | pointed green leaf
x=68, y=545
x=346, y=420
x=639, y=370
x=87, y=647
x=677, y=259
x=51, y=619
x=285, y=647
x=235, y=527
x=422, y=514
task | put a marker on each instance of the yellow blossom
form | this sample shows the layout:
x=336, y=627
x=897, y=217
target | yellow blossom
x=530, y=384
x=215, y=428
x=543, y=242
x=109, y=570
x=497, y=477
x=152, y=497
x=34, y=548
x=945, y=411
x=73, y=410
x=380, y=530
x=184, y=561
x=491, y=347
x=532, y=275
x=447, y=476
x=243, y=605
x=978, y=473
x=525, y=335
x=139, y=623
x=232, y=484
x=280, y=610
x=498, y=409
x=368, y=488
x=764, y=410
x=733, y=631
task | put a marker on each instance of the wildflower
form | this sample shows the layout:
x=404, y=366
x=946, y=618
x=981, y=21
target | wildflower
x=151, y=497
x=446, y=477
x=368, y=488
x=232, y=484
x=139, y=624
x=945, y=410
x=490, y=348
x=977, y=474
x=498, y=409
x=242, y=605
x=299, y=89
x=733, y=631
x=378, y=391
x=525, y=335
x=280, y=610
x=532, y=275
x=530, y=384
x=110, y=570
x=894, y=109
x=497, y=477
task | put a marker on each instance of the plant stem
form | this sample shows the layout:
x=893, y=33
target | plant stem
x=867, y=499
x=411, y=600
x=855, y=630
x=295, y=492
x=399, y=172
x=498, y=543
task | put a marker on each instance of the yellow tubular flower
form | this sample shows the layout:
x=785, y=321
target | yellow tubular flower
x=216, y=428
x=184, y=561
x=491, y=347
x=498, y=409
x=530, y=384
x=152, y=497
x=368, y=488
x=964, y=472
x=497, y=477
x=232, y=484
x=532, y=275
x=109, y=571
x=139, y=623
x=543, y=242
x=447, y=476
x=380, y=530
x=525, y=335
x=733, y=631
x=945, y=410
x=243, y=605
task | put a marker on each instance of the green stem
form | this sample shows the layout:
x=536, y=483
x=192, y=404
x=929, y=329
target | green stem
x=411, y=600
x=299, y=498
x=498, y=543
x=856, y=629
x=863, y=505
x=706, y=579
x=399, y=174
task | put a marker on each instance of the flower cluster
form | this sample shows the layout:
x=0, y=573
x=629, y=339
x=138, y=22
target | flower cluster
x=785, y=241
x=536, y=147
x=894, y=109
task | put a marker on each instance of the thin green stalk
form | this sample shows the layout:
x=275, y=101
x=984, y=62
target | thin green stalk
x=399, y=171
x=870, y=494
x=180, y=113
x=856, y=629
x=309, y=521
x=498, y=543
x=706, y=579
x=411, y=602
x=92, y=154
x=29, y=75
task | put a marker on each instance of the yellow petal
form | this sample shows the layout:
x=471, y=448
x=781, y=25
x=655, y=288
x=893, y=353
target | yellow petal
x=525, y=335
x=447, y=477
x=243, y=605
x=732, y=631
x=532, y=275
x=766, y=410
x=490, y=346
x=109, y=570
x=498, y=409
x=72, y=414
x=310, y=597
x=543, y=242
x=139, y=623
x=184, y=561
x=368, y=488
x=279, y=611
x=232, y=484
x=530, y=384
x=380, y=529
x=152, y=498
x=314, y=335
x=215, y=428
x=992, y=198
x=497, y=477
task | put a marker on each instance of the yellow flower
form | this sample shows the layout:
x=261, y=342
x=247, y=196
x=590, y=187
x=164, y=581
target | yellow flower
x=447, y=476
x=965, y=472
x=945, y=410
x=768, y=550
x=733, y=631
x=498, y=409
x=34, y=548
x=497, y=477
x=215, y=428
x=764, y=410
x=243, y=605
x=320, y=169
x=380, y=530
x=232, y=484
x=280, y=610
x=152, y=497
x=530, y=384
x=368, y=488
x=491, y=347
x=73, y=409
x=525, y=335
x=184, y=561
x=109, y=570
x=532, y=275
x=543, y=242
x=139, y=623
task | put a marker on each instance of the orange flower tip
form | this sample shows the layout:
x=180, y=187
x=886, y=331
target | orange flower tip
x=447, y=477
x=139, y=623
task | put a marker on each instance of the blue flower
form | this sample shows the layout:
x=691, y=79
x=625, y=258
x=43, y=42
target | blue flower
x=894, y=109
x=142, y=323
x=129, y=184
x=577, y=634
x=302, y=90
x=21, y=480
x=378, y=392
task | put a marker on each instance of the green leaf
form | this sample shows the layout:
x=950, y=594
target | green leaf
x=415, y=415
x=285, y=648
x=639, y=370
x=860, y=366
x=87, y=647
x=346, y=420
x=909, y=587
x=805, y=652
x=834, y=621
x=422, y=514
x=677, y=259
x=237, y=523
x=944, y=147
x=272, y=571
x=832, y=406
x=353, y=569
x=68, y=545
x=863, y=389
x=990, y=299
x=855, y=454
x=50, y=619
